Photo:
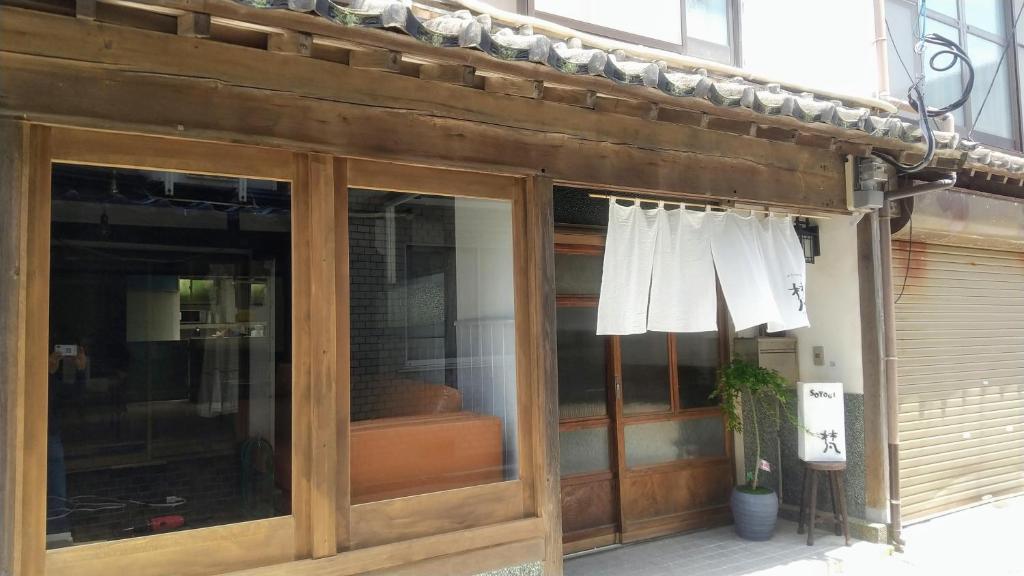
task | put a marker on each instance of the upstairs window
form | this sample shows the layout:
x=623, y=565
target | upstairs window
x=983, y=29
x=701, y=28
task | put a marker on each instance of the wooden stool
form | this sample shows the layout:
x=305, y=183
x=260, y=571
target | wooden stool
x=834, y=473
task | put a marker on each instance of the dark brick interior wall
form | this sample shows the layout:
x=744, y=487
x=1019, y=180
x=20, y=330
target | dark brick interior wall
x=378, y=308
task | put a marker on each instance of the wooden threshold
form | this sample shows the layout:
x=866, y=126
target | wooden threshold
x=402, y=553
x=200, y=551
x=637, y=530
x=590, y=539
x=378, y=523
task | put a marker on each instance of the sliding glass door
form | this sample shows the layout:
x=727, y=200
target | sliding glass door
x=644, y=451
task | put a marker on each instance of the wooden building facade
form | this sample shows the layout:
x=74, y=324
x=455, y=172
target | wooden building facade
x=314, y=188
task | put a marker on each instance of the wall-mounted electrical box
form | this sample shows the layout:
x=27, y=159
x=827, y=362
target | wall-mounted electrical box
x=777, y=353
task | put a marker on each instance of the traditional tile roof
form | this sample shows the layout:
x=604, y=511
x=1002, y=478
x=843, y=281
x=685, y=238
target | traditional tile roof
x=460, y=29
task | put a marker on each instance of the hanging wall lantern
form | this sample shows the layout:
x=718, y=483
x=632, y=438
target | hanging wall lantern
x=808, y=234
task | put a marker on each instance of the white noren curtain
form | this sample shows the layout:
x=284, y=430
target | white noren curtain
x=628, y=260
x=683, y=295
x=660, y=266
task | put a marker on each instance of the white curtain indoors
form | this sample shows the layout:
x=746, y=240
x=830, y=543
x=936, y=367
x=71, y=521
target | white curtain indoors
x=660, y=266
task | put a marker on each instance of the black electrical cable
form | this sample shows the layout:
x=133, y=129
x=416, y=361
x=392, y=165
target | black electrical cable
x=915, y=96
x=956, y=55
x=910, y=250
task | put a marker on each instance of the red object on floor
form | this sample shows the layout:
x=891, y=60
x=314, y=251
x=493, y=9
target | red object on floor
x=163, y=523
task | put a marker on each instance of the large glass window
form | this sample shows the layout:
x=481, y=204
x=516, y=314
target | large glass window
x=651, y=443
x=169, y=353
x=698, y=360
x=582, y=368
x=645, y=373
x=635, y=20
x=982, y=28
x=698, y=27
x=433, y=343
x=578, y=274
x=584, y=450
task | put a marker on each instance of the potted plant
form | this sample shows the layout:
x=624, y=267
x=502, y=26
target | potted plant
x=755, y=508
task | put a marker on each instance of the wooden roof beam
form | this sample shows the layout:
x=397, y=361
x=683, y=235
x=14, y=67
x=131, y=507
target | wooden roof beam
x=523, y=87
x=376, y=59
x=85, y=9
x=570, y=96
x=290, y=42
x=458, y=74
x=270, y=20
x=635, y=108
x=194, y=24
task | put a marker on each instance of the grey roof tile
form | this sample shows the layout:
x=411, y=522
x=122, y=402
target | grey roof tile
x=727, y=92
x=768, y=99
x=804, y=107
x=461, y=29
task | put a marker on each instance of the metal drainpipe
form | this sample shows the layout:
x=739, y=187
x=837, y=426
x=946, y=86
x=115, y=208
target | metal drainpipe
x=881, y=50
x=889, y=322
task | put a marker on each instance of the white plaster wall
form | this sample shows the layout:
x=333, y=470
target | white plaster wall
x=823, y=44
x=508, y=5
x=833, y=307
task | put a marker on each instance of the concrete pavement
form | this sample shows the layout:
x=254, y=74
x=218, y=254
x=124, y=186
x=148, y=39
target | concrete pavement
x=982, y=541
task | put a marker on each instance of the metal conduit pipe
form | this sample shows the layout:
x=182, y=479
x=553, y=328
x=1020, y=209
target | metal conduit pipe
x=908, y=191
x=889, y=323
x=881, y=51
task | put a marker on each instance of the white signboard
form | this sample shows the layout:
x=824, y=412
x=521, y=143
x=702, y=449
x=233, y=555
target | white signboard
x=822, y=434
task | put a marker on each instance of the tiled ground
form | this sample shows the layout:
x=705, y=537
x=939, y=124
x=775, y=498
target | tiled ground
x=719, y=552
x=983, y=541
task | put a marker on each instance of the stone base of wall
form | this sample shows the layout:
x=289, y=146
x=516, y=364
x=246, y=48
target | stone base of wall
x=781, y=442
x=860, y=529
x=530, y=569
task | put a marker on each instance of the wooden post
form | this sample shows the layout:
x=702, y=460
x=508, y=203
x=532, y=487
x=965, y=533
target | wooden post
x=541, y=269
x=323, y=343
x=301, y=345
x=31, y=337
x=876, y=487
x=344, y=395
x=13, y=194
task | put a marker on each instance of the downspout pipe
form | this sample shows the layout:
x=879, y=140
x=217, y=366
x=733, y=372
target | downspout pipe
x=891, y=363
x=909, y=191
x=881, y=51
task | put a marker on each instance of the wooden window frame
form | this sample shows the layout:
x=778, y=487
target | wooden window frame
x=376, y=523
x=517, y=518
x=194, y=551
x=527, y=7
x=1009, y=38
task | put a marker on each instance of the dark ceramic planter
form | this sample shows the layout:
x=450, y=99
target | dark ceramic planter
x=754, y=515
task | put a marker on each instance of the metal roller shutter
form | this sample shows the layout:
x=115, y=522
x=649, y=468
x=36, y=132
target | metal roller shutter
x=960, y=340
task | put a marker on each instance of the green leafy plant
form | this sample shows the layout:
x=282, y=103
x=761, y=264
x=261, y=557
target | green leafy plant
x=761, y=389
